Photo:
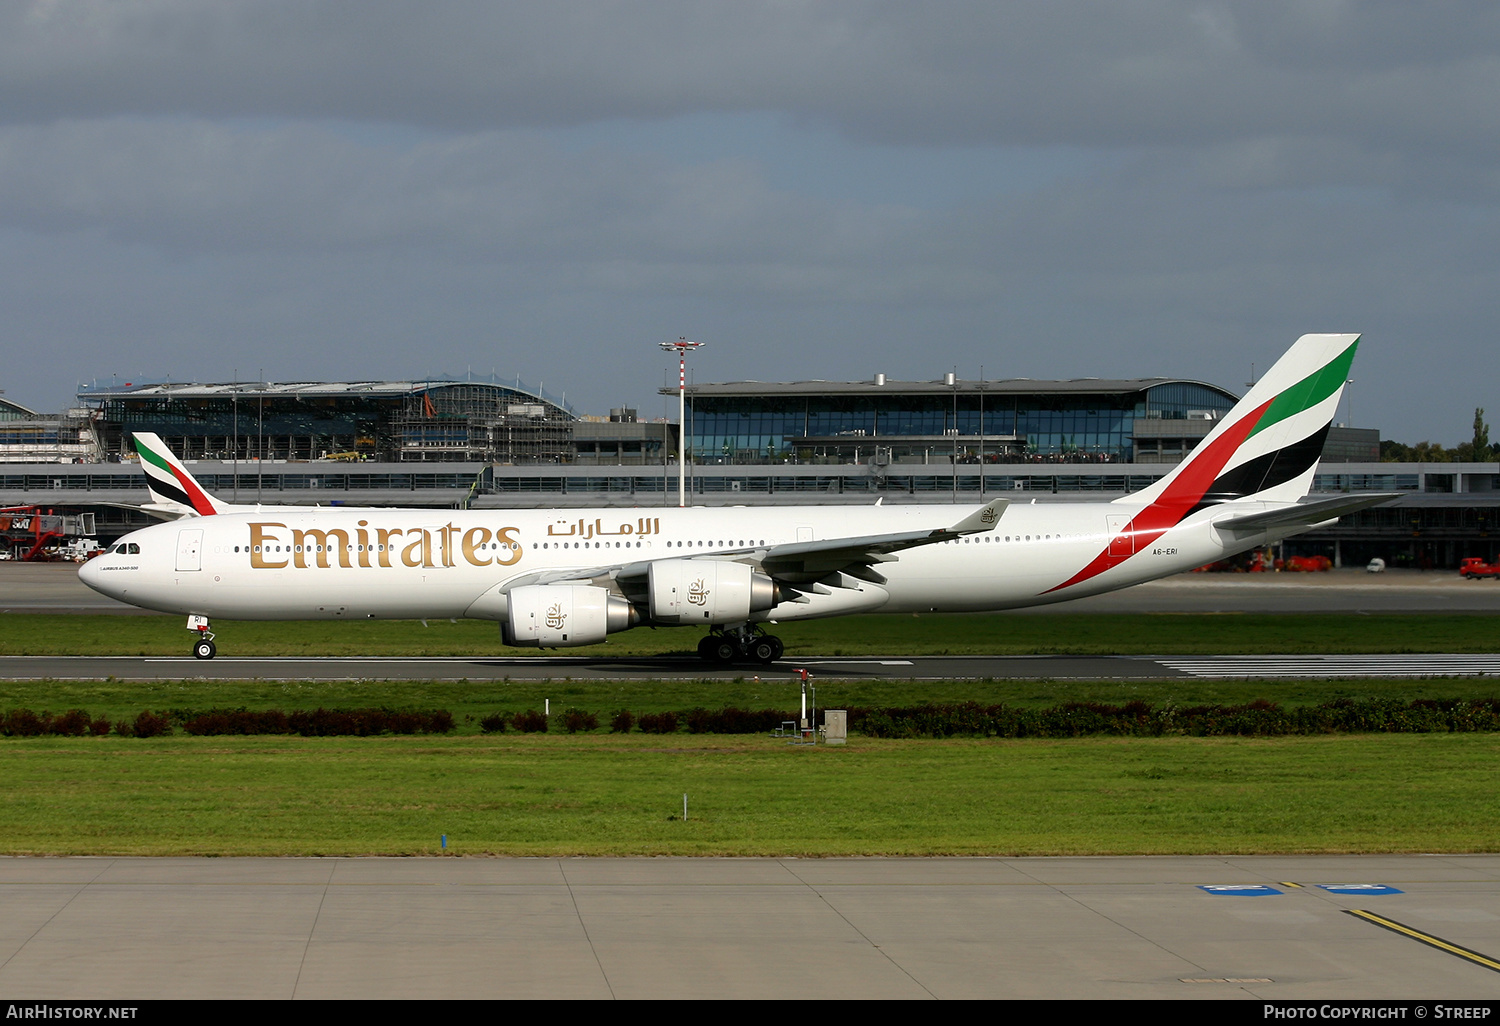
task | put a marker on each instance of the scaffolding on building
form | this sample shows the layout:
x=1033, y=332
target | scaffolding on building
x=476, y=423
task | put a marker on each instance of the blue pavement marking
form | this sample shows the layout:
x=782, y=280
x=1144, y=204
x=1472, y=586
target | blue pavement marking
x=1238, y=890
x=1359, y=889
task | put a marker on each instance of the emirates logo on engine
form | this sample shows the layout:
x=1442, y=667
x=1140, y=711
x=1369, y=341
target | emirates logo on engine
x=556, y=617
x=698, y=593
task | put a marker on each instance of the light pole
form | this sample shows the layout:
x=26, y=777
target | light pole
x=235, y=417
x=681, y=347
x=953, y=380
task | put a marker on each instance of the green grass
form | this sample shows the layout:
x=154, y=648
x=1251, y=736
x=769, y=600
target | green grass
x=604, y=795
x=880, y=634
x=748, y=795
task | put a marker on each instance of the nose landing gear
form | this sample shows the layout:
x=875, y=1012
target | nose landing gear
x=203, y=647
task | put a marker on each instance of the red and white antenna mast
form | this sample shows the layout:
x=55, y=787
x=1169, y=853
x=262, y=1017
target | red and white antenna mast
x=681, y=347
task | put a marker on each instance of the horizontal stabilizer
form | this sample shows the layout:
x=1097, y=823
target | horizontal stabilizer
x=1305, y=513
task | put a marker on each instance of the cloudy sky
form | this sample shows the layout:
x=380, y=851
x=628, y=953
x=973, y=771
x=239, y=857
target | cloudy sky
x=816, y=190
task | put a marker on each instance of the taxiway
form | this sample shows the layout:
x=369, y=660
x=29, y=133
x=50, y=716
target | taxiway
x=777, y=929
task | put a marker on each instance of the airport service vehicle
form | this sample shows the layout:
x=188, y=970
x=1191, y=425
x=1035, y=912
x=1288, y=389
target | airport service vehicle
x=568, y=577
x=1473, y=567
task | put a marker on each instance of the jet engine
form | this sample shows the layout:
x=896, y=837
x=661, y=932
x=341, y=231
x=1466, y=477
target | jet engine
x=564, y=616
x=686, y=591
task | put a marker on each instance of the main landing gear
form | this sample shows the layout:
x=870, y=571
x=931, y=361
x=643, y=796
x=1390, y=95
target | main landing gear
x=727, y=645
x=203, y=647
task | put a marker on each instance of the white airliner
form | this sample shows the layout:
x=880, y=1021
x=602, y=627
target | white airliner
x=565, y=577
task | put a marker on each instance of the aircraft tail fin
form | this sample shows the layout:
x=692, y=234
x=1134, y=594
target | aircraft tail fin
x=172, y=488
x=1267, y=447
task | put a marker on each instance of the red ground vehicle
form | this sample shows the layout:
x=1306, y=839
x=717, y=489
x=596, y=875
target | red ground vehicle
x=1473, y=567
x=32, y=533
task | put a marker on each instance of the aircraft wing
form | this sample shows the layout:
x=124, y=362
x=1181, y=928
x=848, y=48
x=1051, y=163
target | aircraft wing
x=1305, y=513
x=797, y=562
x=802, y=562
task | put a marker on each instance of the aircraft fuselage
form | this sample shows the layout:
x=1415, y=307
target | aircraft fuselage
x=286, y=563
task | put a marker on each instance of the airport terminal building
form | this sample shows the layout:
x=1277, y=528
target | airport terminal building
x=394, y=421
x=1087, y=420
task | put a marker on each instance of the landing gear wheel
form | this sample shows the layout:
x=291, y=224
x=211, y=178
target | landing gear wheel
x=766, y=649
x=725, y=649
x=706, y=647
x=204, y=649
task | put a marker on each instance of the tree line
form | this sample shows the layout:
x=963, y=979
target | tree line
x=1477, y=450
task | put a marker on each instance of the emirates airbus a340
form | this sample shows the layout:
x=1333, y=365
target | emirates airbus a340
x=565, y=577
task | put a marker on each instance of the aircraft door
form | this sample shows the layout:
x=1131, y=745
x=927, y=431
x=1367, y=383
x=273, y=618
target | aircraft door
x=1120, y=543
x=189, y=549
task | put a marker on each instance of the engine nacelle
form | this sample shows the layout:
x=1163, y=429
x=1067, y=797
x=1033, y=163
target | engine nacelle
x=563, y=616
x=688, y=591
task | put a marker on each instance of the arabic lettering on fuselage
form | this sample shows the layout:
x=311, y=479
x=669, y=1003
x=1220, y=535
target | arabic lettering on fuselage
x=585, y=530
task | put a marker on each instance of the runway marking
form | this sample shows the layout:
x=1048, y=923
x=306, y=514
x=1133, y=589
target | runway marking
x=492, y=660
x=648, y=667
x=502, y=660
x=1420, y=665
x=853, y=662
x=1425, y=938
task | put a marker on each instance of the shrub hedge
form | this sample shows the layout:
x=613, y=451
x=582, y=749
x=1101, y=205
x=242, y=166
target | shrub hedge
x=960, y=719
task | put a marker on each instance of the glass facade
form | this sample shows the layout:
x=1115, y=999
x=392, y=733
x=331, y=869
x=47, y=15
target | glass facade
x=1015, y=424
x=1366, y=482
x=422, y=421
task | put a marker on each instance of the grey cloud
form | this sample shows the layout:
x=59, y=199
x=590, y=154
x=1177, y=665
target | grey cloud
x=204, y=187
x=1086, y=73
x=188, y=184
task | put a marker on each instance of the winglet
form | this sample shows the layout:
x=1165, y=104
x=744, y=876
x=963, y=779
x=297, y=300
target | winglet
x=982, y=519
x=168, y=481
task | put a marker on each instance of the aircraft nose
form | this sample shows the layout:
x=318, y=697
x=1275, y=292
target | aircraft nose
x=89, y=574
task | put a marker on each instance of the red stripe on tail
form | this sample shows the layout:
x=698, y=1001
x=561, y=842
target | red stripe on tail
x=1181, y=495
x=201, y=502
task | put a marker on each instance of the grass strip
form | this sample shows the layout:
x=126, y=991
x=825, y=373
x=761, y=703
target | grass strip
x=875, y=634
x=612, y=795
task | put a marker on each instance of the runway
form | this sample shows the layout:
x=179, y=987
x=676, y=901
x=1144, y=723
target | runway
x=782, y=929
x=946, y=668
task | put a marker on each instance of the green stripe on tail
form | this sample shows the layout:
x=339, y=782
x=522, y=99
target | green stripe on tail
x=1310, y=391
